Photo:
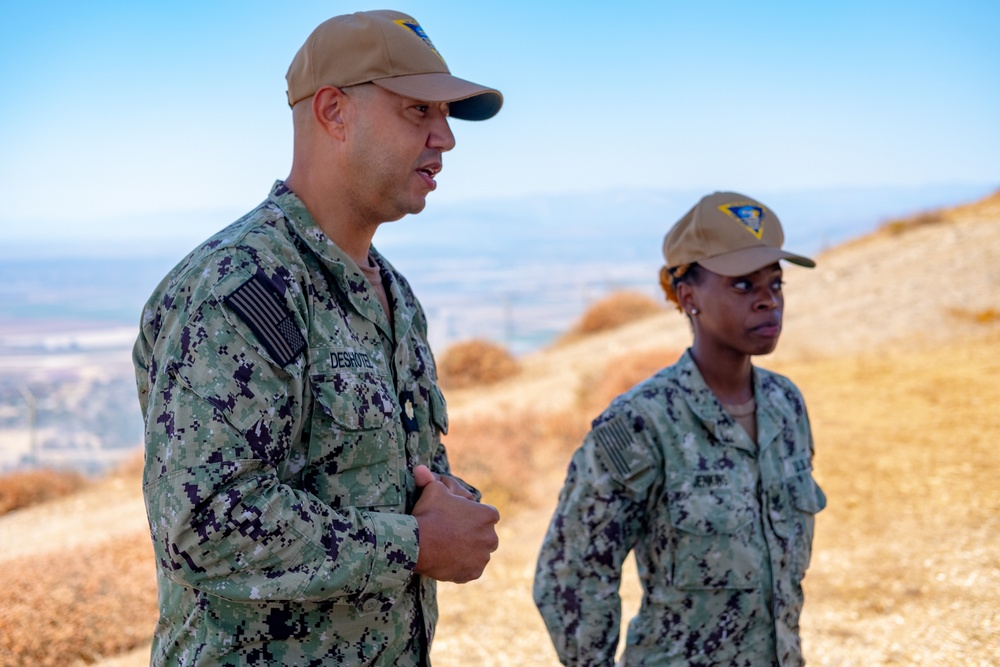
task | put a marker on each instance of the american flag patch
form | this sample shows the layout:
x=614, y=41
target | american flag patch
x=615, y=439
x=267, y=316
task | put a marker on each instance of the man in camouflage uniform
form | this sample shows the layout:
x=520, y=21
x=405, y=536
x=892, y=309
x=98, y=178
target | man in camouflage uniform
x=300, y=501
x=717, y=504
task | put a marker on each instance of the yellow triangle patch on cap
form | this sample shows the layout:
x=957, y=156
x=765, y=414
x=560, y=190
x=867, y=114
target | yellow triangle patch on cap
x=751, y=216
x=419, y=32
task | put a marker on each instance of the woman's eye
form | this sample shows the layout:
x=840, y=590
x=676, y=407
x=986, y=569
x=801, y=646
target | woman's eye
x=742, y=284
x=776, y=285
x=422, y=108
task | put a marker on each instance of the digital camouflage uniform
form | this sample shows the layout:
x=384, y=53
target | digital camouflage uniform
x=721, y=528
x=284, y=417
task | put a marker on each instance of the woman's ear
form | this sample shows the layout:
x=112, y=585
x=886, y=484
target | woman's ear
x=686, y=298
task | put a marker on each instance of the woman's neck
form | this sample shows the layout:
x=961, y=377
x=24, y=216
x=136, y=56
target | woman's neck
x=729, y=375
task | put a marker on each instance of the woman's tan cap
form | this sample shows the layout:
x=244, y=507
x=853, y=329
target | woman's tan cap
x=729, y=234
x=391, y=50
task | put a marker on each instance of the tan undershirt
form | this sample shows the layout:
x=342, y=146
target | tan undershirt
x=745, y=415
x=374, y=276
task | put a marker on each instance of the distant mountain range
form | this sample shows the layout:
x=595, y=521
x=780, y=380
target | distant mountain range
x=576, y=224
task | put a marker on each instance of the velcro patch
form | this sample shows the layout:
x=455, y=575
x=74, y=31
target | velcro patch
x=267, y=316
x=615, y=440
x=797, y=466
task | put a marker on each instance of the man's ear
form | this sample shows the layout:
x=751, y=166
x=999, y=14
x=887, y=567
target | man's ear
x=328, y=106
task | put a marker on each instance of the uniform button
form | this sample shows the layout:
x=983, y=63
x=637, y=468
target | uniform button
x=370, y=605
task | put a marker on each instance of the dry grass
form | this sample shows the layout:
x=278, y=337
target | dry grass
x=621, y=374
x=475, y=363
x=70, y=608
x=897, y=227
x=30, y=487
x=502, y=455
x=906, y=567
x=611, y=312
x=907, y=557
x=985, y=316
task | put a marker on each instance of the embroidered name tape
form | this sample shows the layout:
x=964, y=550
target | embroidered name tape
x=350, y=359
x=256, y=303
x=711, y=480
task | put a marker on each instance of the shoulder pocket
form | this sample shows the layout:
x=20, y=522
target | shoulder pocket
x=806, y=494
x=792, y=509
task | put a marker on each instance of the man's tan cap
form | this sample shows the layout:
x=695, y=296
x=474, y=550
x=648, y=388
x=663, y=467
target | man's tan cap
x=391, y=50
x=729, y=234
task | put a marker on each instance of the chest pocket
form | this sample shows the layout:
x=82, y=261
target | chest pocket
x=714, y=525
x=354, y=457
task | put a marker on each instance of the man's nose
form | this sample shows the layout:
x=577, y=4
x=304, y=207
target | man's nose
x=441, y=137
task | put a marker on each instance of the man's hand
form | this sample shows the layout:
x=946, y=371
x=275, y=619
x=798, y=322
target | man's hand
x=457, y=534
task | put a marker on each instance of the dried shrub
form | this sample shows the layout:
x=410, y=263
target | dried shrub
x=502, y=454
x=475, y=363
x=130, y=467
x=611, y=312
x=985, y=316
x=30, y=487
x=622, y=373
x=900, y=226
x=75, y=607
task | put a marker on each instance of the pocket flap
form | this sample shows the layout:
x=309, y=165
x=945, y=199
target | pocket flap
x=806, y=494
x=439, y=409
x=355, y=401
x=710, y=511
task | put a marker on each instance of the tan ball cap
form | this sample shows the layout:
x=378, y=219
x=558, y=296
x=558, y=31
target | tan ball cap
x=729, y=234
x=391, y=50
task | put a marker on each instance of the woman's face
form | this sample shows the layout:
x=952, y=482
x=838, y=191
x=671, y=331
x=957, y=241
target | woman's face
x=739, y=314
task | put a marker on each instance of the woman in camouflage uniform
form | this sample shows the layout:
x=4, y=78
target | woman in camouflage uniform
x=704, y=470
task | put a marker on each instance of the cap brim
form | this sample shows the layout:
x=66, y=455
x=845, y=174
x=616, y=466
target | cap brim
x=748, y=260
x=467, y=100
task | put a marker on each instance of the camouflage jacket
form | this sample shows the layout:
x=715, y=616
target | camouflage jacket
x=284, y=417
x=721, y=528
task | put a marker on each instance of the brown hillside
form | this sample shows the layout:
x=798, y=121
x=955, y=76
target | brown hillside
x=895, y=342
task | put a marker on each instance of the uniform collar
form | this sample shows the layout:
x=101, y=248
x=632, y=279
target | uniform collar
x=345, y=272
x=705, y=406
x=401, y=298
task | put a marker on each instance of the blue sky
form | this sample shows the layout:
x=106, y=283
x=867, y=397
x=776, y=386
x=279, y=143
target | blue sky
x=144, y=111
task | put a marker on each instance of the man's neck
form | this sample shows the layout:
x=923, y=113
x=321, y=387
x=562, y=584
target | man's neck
x=348, y=228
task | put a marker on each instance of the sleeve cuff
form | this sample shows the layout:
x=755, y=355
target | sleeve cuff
x=393, y=560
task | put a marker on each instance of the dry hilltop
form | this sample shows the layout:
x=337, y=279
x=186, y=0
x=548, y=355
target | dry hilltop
x=895, y=342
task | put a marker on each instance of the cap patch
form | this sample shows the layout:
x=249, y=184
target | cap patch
x=750, y=216
x=419, y=32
